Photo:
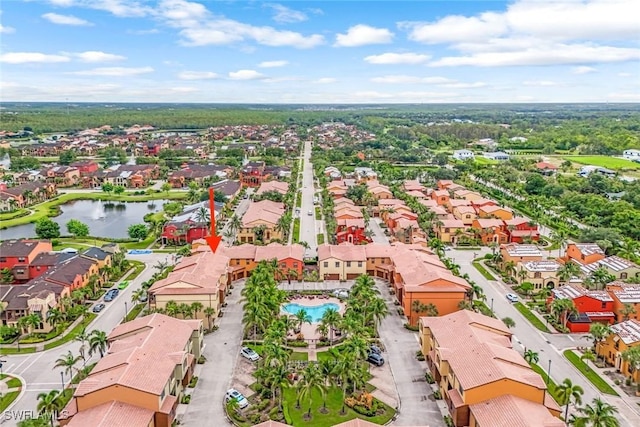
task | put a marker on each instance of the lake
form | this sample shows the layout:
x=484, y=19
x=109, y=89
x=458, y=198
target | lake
x=105, y=219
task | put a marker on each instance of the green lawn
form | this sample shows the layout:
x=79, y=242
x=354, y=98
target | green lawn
x=298, y=356
x=74, y=332
x=485, y=161
x=532, y=318
x=551, y=385
x=45, y=209
x=334, y=407
x=485, y=273
x=7, y=399
x=4, y=216
x=296, y=230
x=320, y=238
x=591, y=375
x=604, y=161
x=134, y=312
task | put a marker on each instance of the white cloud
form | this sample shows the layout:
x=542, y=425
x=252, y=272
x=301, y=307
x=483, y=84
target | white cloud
x=114, y=71
x=31, y=57
x=143, y=32
x=583, y=69
x=542, y=83
x=401, y=79
x=98, y=56
x=199, y=27
x=456, y=28
x=197, y=75
x=325, y=80
x=56, y=18
x=361, y=35
x=285, y=15
x=245, y=75
x=625, y=75
x=397, y=58
x=273, y=64
x=6, y=30
x=568, y=54
x=462, y=85
x=183, y=89
x=624, y=97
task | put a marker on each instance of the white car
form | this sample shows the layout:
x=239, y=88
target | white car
x=512, y=297
x=233, y=394
x=310, y=213
x=250, y=354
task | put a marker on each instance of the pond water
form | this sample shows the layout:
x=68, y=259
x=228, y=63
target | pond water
x=105, y=219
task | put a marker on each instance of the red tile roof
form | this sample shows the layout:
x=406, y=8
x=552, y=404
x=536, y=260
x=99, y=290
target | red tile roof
x=113, y=414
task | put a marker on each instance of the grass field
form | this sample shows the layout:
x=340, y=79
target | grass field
x=485, y=161
x=591, y=375
x=604, y=162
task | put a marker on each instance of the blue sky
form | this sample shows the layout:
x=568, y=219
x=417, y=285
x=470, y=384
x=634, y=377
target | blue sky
x=320, y=52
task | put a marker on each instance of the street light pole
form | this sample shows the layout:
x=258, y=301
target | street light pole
x=62, y=379
x=549, y=372
x=492, y=305
x=125, y=310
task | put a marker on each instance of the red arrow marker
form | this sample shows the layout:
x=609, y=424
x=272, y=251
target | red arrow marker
x=213, y=240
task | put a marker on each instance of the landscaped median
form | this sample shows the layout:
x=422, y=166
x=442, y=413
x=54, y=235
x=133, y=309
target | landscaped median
x=483, y=270
x=532, y=318
x=14, y=386
x=589, y=373
x=551, y=385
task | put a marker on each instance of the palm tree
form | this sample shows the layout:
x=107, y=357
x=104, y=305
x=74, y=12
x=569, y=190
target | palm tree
x=531, y=356
x=510, y=268
x=235, y=223
x=68, y=362
x=475, y=292
x=601, y=277
x=632, y=357
x=567, y=271
x=311, y=379
x=627, y=311
x=203, y=216
x=171, y=308
x=508, y=322
x=196, y=307
x=137, y=295
x=82, y=338
x=598, y=414
x=302, y=317
x=97, y=342
x=55, y=317
x=567, y=392
x=589, y=356
x=563, y=308
x=598, y=332
x=629, y=249
x=48, y=403
x=431, y=310
x=465, y=305
x=209, y=312
x=331, y=318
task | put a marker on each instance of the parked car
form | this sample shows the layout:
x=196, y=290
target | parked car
x=123, y=284
x=232, y=393
x=310, y=213
x=375, y=349
x=375, y=359
x=110, y=296
x=512, y=297
x=98, y=308
x=248, y=353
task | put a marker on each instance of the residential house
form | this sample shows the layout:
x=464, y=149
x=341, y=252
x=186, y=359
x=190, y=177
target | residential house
x=27, y=193
x=351, y=231
x=492, y=211
x=85, y=166
x=120, y=391
x=631, y=154
x=260, y=222
x=199, y=174
x=100, y=256
x=450, y=230
x=202, y=277
x=191, y=224
x=74, y=273
x=490, y=231
x=343, y=262
x=17, y=256
x=512, y=411
x=463, y=155
x=231, y=189
x=47, y=260
x=62, y=176
x=584, y=253
x=520, y=229
x=539, y=273
x=290, y=258
x=624, y=294
x=332, y=172
x=471, y=358
x=620, y=268
x=519, y=253
x=444, y=184
x=466, y=214
x=467, y=195
x=623, y=336
x=441, y=197
x=406, y=230
x=497, y=155
x=592, y=306
x=35, y=297
x=252, y=174
x=363, y=174
x=546, y=168
x=415, y=185
x=347, y=212
x=273, y=186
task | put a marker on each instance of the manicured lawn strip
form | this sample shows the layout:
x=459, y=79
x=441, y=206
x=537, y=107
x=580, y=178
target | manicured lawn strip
x=14, y=350
x=299, y=356
x=318, y=212
x=7, y=399
x=483, y=271
x=320, y=238
x=552, y=386
x=604, y=161
x=14, y=382
x=138, y=268
x=531, y=317
x=334, y=406
x=591, y=375
x=134, y=312
x=5, y=216
x=42, y=210
x=74, y=332
x=296, y=230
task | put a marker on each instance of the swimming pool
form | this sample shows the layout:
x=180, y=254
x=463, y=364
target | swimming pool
x=315, y=312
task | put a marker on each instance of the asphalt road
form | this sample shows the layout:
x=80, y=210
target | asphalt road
x=309, y=227
x=37, y=369
x=548, y=346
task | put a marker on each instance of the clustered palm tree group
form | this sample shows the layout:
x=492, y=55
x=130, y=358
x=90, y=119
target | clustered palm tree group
x=262, y=301
x=596, y=414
